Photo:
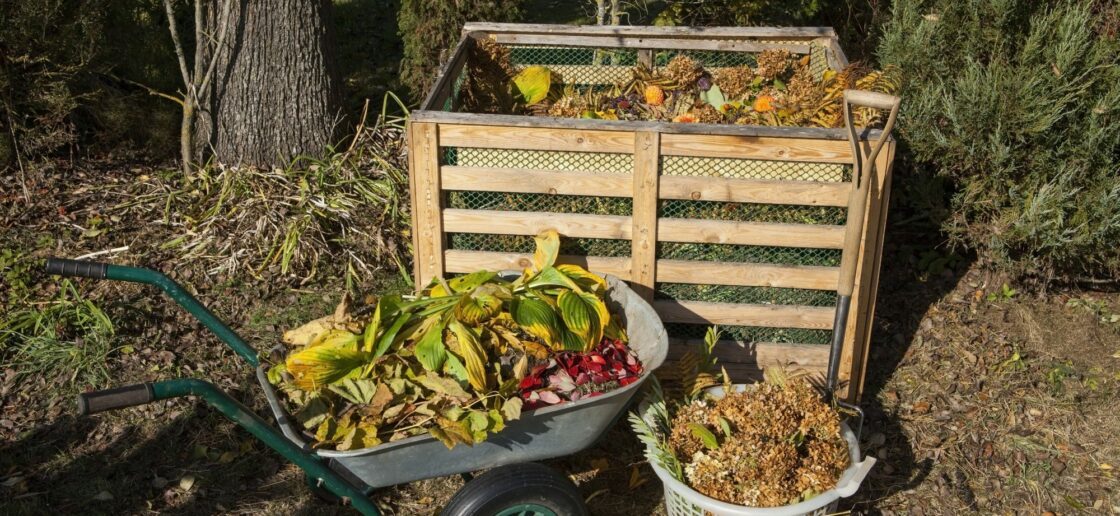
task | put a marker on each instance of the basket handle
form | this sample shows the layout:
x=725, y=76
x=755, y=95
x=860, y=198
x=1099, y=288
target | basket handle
x=849, y=486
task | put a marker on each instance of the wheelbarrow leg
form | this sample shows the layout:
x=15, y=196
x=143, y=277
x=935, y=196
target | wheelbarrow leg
x=140, y=394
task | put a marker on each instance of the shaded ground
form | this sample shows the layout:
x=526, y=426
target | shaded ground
x=976, y=404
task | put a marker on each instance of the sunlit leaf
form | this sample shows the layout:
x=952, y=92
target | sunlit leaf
x=463, y=283
x=474, y=357
x=369, y=337
x=511, y=409
x=551, y=277
x=586, y=280
x=317, y=366
x=533, y=83
x=477, y=309
x=548, y=248
x=430, y=349
x=537, y=318
x=704, y=435
x=585, y=315
x=357, y=391
x=390, y=335
x=442, y=385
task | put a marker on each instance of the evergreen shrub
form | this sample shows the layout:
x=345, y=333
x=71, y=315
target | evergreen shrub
x=1016, y=105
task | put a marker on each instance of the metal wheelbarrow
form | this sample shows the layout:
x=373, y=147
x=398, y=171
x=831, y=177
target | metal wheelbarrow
x=514, y=485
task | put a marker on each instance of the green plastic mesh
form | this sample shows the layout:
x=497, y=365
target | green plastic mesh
x=525, y=244
x=749, y=212
x=536, y=159
x=745, y=295
x=540, y=202
x=752, y=334
x=754, y=169
x=748, y=254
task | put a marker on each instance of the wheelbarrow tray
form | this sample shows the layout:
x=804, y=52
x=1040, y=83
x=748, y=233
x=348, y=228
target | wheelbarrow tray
x=539, y=434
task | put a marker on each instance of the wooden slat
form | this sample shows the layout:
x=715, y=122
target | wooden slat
x=750, y=233
x=554, y=123
x=497, y=137
x=778, y=149
x=776, y=316
x=470, y=261
x=533, y=222
x=747, y=274
x=648, y=31
x=447, y=75
x=645, y=42
x=643, y=248
x=521, y=180
x=762, y=353
x=427, y=222
x=704, y=188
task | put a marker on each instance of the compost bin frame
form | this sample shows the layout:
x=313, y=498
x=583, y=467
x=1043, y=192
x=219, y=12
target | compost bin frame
x=431, y=128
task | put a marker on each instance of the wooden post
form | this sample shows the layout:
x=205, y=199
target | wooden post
x=424, y=186
x=643, y=243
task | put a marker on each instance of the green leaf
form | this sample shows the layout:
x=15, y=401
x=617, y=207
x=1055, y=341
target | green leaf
x=390, y=335
x=572, y=342
x=535, y=317
x=456, y=369
x=725, y=426
x=369, y=337
x=317, y=366
x=548, y=247
x=585, y=314
x=430, y=349
x=533, y=84
x=714, y=97
x=551, y=277
x=497, y=423
x=704, y=435
x=442, y=385
x=511, y=409
x=474, y=310
x=358, y=391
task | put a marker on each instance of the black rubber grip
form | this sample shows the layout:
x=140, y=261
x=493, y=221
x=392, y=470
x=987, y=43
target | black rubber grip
x=112, y=399
x=80, y=268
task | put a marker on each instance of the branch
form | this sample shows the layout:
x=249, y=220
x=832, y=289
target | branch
x=205, y=82
x=149, y=89
x=197, y=39
x=178, y=44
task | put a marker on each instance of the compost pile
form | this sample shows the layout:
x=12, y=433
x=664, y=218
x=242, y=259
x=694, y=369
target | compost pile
x=458, y=360
x=776, y=443
x=780, y=90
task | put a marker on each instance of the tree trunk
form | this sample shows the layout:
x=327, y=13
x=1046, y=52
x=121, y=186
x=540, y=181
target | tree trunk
x=274, y=94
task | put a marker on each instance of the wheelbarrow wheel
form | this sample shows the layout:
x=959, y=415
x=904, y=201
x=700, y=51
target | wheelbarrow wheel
x=518, y=490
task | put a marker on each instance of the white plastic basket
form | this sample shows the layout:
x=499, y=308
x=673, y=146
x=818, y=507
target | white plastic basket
x=681, y=500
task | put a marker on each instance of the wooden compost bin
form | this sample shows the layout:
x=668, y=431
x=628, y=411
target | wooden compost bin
x=739, y=226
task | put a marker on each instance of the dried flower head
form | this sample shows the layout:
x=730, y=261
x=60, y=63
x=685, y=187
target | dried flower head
x=773, y=63
x=734, y=82
x=683, y=70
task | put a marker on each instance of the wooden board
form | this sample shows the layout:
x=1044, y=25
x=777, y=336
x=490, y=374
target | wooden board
x=760, y=354
x=535, y=139
x=816, y=236
x=646, y=31
x=775, y=316
x=425, y=187
x=521, y=180
x=764, y=191
x=643, y=246
x=747, y=274
x=470, y=261
x=756, y=147
x=644, y=42
x=534, y=222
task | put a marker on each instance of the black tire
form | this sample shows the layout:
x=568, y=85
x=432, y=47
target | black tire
x=508, y=486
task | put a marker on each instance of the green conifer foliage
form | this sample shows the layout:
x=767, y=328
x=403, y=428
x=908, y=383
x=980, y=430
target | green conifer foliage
x=1017, y=104
x=429, y=27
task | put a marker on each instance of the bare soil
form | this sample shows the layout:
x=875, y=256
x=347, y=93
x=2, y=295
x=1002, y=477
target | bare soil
x=975, y=405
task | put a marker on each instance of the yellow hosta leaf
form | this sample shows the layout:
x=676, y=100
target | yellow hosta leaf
x=306, y=334
x=462, y=283
x=317, y=366
x=474, y=357
x=586, y=280
x=585, y=315
x=537, y=318
x=548, y=248
x=369, y=337
x=474, y=310
x=533, y=84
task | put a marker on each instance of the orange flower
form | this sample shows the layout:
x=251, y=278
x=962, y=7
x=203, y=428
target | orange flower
x=764, y=103
x=685, y=118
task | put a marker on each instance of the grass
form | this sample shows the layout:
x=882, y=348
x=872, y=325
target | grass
x=68, y=338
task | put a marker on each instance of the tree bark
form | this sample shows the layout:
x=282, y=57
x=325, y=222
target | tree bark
x=274, y=94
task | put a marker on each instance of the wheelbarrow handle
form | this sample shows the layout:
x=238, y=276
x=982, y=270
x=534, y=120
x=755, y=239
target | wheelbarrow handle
x=176, y=292
x=316, y=469
x=77, y=268
x=117, y=398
